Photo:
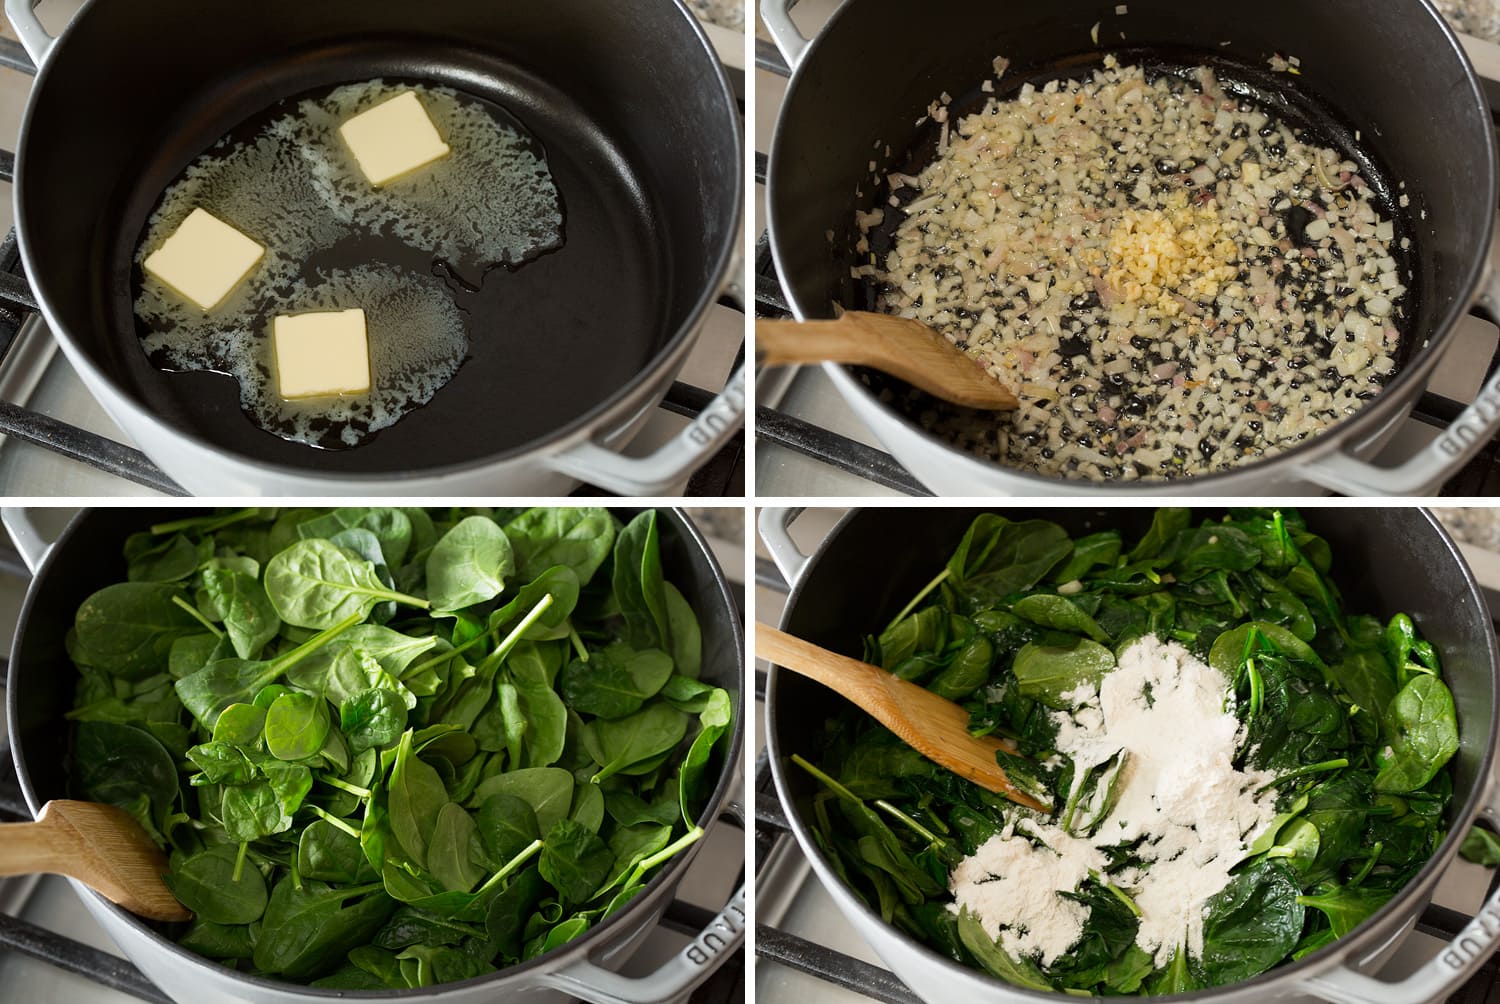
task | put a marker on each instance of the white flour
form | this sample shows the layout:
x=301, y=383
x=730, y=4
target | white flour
x=1179, y=790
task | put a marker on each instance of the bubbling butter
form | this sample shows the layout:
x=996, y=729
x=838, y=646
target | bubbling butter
x=417, y=341
x=295, y=185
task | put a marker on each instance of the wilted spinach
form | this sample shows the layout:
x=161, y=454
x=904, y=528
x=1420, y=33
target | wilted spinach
x=1350, y=714
x=388, y=748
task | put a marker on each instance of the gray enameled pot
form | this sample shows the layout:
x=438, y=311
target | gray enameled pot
x=86, y=557
x=1392, y=69
x=1384, y=560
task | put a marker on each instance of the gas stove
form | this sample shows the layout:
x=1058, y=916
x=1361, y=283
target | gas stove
x=810, y=444
x=55, y=440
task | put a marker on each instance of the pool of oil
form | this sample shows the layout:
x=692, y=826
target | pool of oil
x=408, y=253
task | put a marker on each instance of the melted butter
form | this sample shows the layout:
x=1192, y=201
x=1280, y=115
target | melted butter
x=417, y=342
x=296, y=189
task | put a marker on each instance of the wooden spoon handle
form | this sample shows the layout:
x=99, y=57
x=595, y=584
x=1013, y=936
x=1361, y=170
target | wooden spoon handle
x=26, y=848
x=896, y=345
x=792, y=343
x=860, y=682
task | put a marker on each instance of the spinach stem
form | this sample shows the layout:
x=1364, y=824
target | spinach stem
x=526, y=855
x=1369, y=863
x=239, y=859
x=438, y=660
x=583, y=653
x=405, y=600
x=1312, y=768
x=1119, y=894
x=194, y=613
x=208, y=524
x=938, y=581
x=918, y=828
x=352, y=789
x=333, y=820
x=514, y=638
x=671, y=850
x=827, y=781
x=282, y=663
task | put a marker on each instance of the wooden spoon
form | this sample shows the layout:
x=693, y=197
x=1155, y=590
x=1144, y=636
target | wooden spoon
x=933, y=726
x=99, y=845
x=896, y=345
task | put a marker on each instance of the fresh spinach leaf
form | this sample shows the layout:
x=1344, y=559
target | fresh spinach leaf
x=125, y=766
x=580, y=538
x=211, y=885
x=127, y=629
x=249, y=618
x=998, y=558
x=416, y=797
x=373, y=719
x=1421, y=728
x=548, y=790
x=1049, y=673
x=639, y=586
x=297, y=726
x=469, y=564
x=317, y=584
x=507, y=825
x=616, y=681
x=576, y=862
x=308, y=929
x=448, y=852
x=632, y=744
x=1250, y=925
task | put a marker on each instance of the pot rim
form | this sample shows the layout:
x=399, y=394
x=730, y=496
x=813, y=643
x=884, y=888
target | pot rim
x=664, y=882
x=672, y=352
x=1352, y=946
x=1355, y=428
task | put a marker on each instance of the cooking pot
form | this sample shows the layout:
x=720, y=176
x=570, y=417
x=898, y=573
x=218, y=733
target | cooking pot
x=86, y=557
x=1392, y=71
x=570, y=354
x=1384, y=560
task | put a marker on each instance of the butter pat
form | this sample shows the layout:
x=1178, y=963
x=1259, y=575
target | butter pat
x=321, y=354
x=393, y=139
x=204, y=259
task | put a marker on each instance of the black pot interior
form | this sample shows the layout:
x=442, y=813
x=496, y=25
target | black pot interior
x=1387, y=71
x=1384, y=561
x=629, y=104
x=87, y=558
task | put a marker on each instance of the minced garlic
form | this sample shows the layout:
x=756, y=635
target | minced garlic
x=1154, y=254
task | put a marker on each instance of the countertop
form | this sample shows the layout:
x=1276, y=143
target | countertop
x=1473, y=17
x=725, y=13
x=1475, y=526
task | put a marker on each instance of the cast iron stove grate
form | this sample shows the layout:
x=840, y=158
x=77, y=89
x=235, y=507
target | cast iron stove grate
x=773, y=831
x=841, y=453
x=727, y=985
x=721, y=475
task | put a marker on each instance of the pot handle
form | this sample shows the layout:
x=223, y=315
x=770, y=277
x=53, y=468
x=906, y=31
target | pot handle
x=653, y=474
x=28, y=539
x=774, y=526
x=1439, y=459
x=1443, y=974
x=777, y=14
x=689, y=967
x=29, y=29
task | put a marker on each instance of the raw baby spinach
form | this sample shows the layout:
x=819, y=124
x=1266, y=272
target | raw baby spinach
x=387, y=748
x=1350, y=715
